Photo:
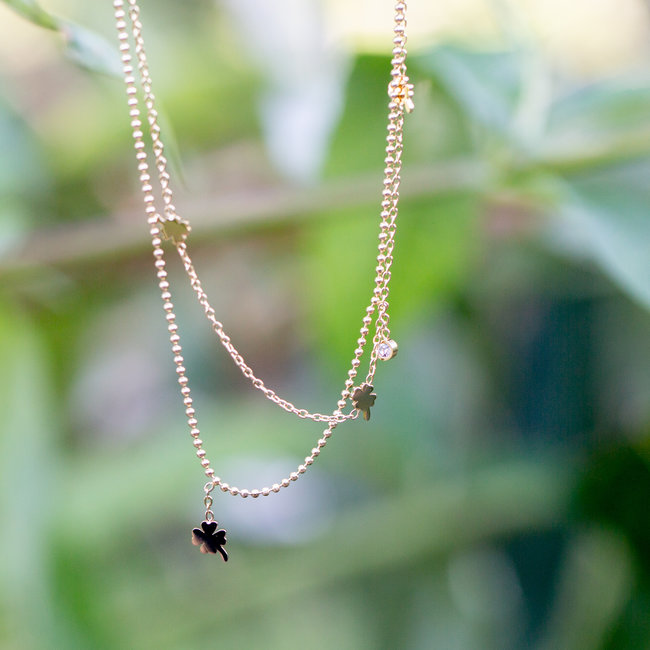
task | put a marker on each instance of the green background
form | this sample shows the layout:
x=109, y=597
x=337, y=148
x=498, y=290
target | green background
x=499, y=496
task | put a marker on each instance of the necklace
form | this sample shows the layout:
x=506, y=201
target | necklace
x=166, y=224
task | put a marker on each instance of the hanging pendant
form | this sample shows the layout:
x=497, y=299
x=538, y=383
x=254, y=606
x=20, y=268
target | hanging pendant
x=363, y=398
x=210, y=539
x=176, y=229
x=387, y=350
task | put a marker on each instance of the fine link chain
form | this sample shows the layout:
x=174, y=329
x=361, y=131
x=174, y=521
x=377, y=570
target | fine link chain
x=170, y=213
x=237, y=358
x=400, y=92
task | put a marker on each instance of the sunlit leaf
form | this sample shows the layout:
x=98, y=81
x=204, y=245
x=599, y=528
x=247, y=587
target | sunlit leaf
x=436, y=130
x=486, y=85
x=605, y=218
x=84, y=47
x=434, y=246
x=611, y=115
x=359, y=141
x=31, y=10
x=90, y=50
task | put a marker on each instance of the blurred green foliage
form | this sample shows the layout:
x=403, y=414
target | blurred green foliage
x=82, y=46
x=498, y=498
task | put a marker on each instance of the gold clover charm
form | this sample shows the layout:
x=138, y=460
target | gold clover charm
x=363, y=398
x=402, y=92
x=176, y=229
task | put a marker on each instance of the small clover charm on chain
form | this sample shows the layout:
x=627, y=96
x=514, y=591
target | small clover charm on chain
x=176, y=229
x=363, y=398
x=401, y=91
x=210, y=539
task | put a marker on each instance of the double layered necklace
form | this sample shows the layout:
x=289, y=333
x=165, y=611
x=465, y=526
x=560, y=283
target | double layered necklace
x=357, y=396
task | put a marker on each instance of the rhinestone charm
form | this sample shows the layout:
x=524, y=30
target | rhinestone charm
x=386, y=350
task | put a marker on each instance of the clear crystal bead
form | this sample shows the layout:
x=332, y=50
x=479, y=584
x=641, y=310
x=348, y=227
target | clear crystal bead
x=386, y=350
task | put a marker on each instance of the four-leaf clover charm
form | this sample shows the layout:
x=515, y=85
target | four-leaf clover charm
x=176, y=229
x=363, y=398
x=210, y=539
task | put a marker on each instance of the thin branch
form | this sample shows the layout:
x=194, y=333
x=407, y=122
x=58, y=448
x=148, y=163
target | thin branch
x=220, y=216
x=232, y=215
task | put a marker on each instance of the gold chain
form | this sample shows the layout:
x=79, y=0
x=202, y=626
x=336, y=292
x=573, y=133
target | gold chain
x=169, y=225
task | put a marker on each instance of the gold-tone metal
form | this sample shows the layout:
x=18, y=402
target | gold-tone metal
x=176, y=229
x=387, y=350
x=402, y=92
x=166, y=224
x=363, y=399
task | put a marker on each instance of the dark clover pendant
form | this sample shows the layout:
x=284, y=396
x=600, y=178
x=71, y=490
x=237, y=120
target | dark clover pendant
x=363, y=398
x=210, y=539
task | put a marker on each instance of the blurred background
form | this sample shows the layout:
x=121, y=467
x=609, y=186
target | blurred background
x=498, y=498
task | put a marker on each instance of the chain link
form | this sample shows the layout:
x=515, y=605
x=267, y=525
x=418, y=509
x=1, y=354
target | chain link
x=400, y=93
x=208, y=501
x=237, y=358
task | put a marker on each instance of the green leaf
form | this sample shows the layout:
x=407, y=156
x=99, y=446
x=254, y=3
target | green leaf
x=359, y=142
x=90, y=50
x=435, y=243
x=22, y=168
x=485, y=85
x=595, y=583
x=28, y=467
x=84, y=47
x=608, y=115
x=436, y=130
x=605, y=218
x=31, y=10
